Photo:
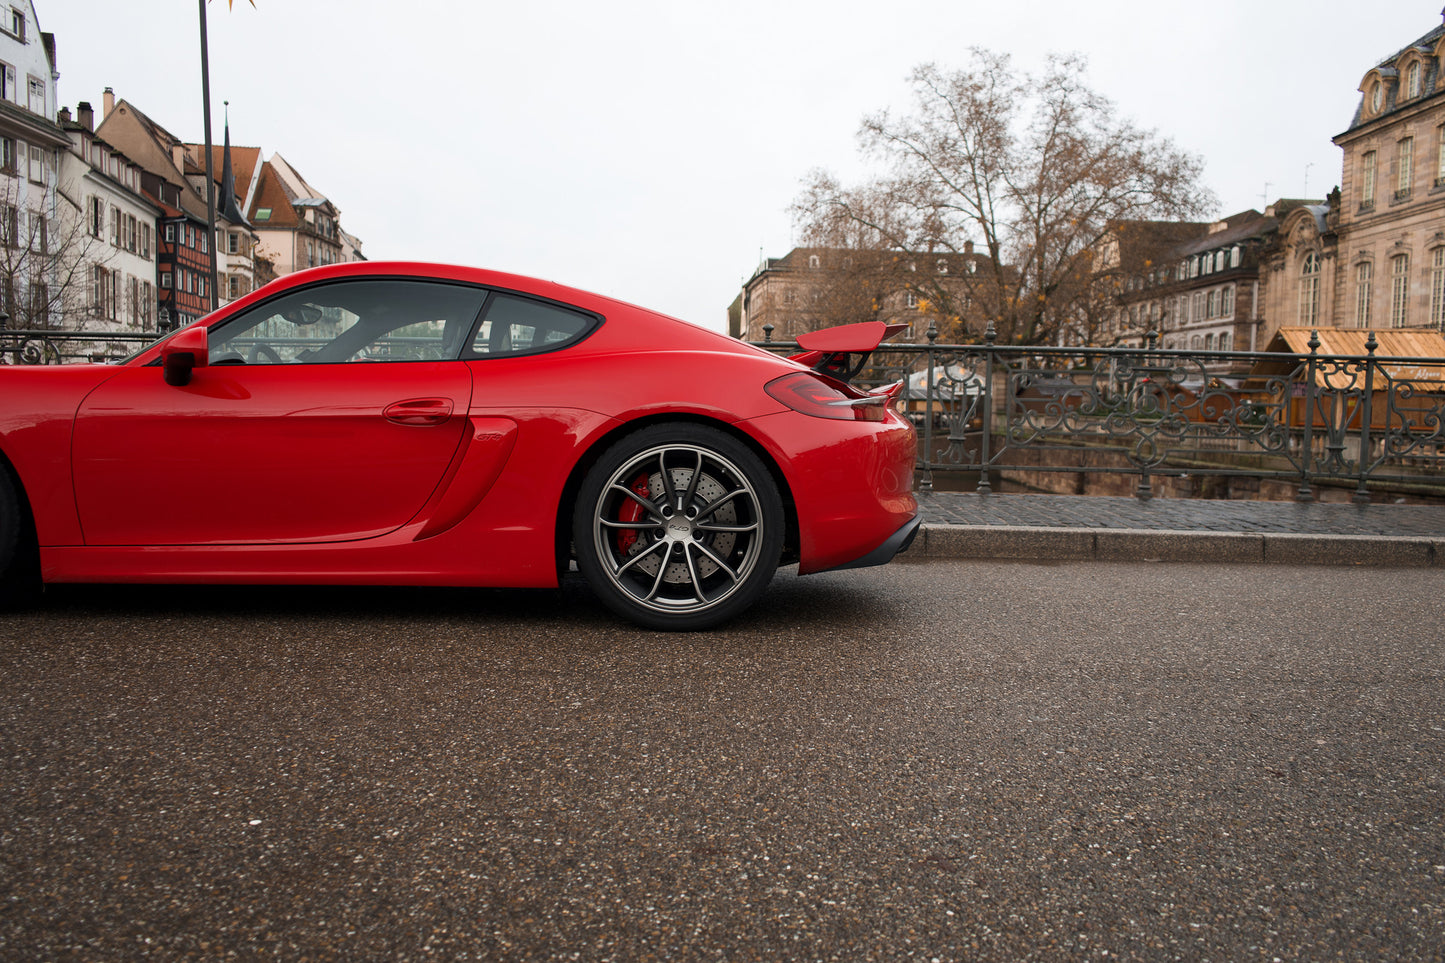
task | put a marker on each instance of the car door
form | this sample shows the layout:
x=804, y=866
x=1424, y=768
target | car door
x=327, y=414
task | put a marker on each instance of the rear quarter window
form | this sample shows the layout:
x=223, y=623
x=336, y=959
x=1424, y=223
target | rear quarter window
x=516, y=325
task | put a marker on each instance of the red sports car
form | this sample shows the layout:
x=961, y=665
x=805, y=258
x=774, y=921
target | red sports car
x=399, y=423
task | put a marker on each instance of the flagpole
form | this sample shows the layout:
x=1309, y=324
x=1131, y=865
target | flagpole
x=210, y=178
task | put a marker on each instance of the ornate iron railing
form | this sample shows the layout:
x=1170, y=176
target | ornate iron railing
x=69, y=347
x=1359, y=421
x=1362, y=420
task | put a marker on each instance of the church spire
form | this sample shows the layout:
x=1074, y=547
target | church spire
x=228, y=179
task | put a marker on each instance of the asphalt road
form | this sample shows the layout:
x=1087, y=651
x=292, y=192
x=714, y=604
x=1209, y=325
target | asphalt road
x=943, y=760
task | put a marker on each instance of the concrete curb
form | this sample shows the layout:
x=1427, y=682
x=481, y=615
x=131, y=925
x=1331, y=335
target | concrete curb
x=1135, y=545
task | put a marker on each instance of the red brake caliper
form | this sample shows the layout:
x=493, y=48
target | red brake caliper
x=631, y=512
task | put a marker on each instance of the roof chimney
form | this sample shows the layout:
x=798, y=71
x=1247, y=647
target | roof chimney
x=85, y=115
x=107, y=103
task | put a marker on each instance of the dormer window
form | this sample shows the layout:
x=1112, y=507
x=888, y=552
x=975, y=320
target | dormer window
x=1377, y=97
x=1412, y=80
x=814, y=261
x=942, y=266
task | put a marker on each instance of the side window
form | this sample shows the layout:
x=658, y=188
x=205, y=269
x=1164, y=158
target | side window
x=517, y=325
x=341, y=322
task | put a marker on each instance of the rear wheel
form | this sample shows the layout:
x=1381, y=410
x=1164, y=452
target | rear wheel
x=678, y=527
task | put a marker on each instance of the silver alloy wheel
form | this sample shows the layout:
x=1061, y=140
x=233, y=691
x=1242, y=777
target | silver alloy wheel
x=678, y=529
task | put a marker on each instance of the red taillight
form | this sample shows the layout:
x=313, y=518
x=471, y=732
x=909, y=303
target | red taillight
x=809, y=394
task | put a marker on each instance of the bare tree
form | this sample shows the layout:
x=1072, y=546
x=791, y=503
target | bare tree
x=1035, y=168
x=45, y=261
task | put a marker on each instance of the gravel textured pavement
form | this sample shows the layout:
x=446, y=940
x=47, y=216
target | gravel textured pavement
x=950, y=760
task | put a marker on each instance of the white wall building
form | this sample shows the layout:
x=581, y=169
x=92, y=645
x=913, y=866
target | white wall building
x=111, y=241
x=30, y=146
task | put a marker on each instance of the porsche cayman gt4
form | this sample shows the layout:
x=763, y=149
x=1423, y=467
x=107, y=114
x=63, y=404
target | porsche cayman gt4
x=401, y=423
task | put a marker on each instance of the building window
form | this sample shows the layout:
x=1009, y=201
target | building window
x=1437, y=289
x=1211, y=304
x=1226, y=341
x=37, y=165
x=1367, y=180
x=1227, y=302
x=37, y=96
x=1440, y=155
x=233, y=243
x=1364, y=292
x=1309, y=290
x=1404, y=167
x=145, y=240
x=14, y=22
x=95, y=216
x=813, y=261
x=7, y=81
x=1412, y=81
x=165, y=279
x=1399, y=290
x=97, y=289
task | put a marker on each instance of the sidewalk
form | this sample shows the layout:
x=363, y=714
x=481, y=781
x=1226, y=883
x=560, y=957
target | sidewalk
x=1072, y=527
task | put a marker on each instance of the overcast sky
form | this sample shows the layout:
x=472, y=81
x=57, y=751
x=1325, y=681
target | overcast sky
x=650, y=150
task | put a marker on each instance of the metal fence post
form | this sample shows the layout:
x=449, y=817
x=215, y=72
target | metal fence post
x=1362, y=496
x=990, y=335
x=925, y=481
x=1303, y=494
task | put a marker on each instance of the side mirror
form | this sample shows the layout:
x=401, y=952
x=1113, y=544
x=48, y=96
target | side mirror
x=183, y=352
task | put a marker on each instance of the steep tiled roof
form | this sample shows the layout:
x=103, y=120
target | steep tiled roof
x=1431, y=83
x=272, y=193
x=243, y=164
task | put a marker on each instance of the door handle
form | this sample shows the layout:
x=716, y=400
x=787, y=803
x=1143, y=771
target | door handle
x=419, y=412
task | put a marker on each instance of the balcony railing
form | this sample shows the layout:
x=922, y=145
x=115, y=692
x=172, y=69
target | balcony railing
x=1305, y=419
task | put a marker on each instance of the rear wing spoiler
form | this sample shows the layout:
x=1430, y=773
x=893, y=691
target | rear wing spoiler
x=842, y=352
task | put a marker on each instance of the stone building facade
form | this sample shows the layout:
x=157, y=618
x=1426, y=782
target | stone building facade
x=818, y=287
x=1389, y=257
x=1373, y=256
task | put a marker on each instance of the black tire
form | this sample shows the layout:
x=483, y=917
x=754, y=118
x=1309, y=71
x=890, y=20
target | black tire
x=678, y=527
x=19, y=566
